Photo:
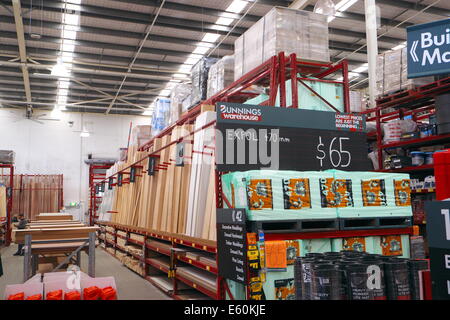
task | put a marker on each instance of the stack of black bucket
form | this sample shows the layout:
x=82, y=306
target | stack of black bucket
x=351, y=275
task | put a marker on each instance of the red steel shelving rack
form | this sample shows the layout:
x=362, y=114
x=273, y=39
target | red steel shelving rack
x=273, y=74
x=9, y=204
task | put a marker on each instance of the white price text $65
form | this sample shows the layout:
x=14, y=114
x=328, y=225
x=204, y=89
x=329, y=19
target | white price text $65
x=338, y=156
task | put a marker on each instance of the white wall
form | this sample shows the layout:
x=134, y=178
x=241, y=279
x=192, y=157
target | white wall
x=56, y=148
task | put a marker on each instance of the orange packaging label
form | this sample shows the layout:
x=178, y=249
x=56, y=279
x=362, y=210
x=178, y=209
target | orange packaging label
x=296, y=194
x=391, y=245
x=251, y=238
x=354, y=244
x=292, y=251
x=284, y=289
x=259, y=192
x=373, y=193
x=336, y=193
x=402, y=192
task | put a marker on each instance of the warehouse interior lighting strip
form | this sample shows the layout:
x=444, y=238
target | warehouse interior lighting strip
x=62, y=69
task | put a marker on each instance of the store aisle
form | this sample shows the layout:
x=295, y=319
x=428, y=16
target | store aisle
x=130, y=286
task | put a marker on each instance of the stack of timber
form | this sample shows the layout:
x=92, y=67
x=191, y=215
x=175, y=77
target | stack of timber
x=175, y=199
x=3, y=203
x=33, y=194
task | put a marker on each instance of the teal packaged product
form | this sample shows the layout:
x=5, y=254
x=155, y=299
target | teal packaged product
x=314, y=246
x=307, y=99
x=258, y=99
x=376, y=194
x=393, y=245
x=278, y=195
x=360, y=244
x=237, y=290
x=280, y=285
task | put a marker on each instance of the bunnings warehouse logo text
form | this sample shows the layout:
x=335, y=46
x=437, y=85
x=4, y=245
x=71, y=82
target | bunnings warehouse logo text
x=242, y=114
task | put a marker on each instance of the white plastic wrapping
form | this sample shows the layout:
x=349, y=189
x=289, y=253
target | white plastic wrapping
x=221, y=75
x=179, y=93
x=392, y=73
x=199, y=78
x=140, y=134
x=282, y=29
x=7, y=156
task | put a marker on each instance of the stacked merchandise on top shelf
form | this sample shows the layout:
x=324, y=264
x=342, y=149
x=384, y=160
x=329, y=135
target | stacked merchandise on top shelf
x=282, y=29
x=283, y=195
x=7, y=156
x=161, y=116
x=199, y=78
x=179, y=94
x=140, y=135
x=221, y=75
x=392, y=73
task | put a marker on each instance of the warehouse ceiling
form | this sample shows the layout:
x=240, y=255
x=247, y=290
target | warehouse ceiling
x=117, y=56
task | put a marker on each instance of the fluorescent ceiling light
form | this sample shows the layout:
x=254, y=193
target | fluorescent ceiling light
x=69, y=34
x=147, y=112
x=360, y=69
x=400, y=46
x=164, y=93
x=85, y=134
x=224, y=21
x=60, y=70
x=237, y=6
x=63, y=84
x=201, y=50
x=62, y=92
x=71, y=19
x=210, y=37
x=345, y=4
x=56, y=113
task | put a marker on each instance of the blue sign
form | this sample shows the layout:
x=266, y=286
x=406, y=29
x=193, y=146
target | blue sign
x=429, y=49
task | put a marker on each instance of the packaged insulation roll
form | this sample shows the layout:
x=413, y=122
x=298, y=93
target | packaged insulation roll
x=279, y=195
x=375, y=194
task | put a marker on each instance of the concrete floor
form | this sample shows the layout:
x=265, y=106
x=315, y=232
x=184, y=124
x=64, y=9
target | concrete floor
x=130, y=286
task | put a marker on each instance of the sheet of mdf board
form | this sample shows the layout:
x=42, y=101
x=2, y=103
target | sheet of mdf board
x=212, y=212
x=160, y=185
x=185, y=180
x=207, y=160
x=197, y=184
x=143, y=186
x=167, y=204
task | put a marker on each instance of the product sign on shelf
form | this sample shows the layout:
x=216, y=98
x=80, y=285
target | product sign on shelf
x=438, y=234
x=428, y=49
x=231, y=244
x=251, y=137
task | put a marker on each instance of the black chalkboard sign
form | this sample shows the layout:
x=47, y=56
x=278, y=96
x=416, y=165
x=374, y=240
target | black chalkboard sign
x=102, y=187
x=119, y=179
x=110, y=183
x=438, y=234
x=179, y=160
x=232, y=244
x=133, y=174
x=97, y=189
x=255, y=137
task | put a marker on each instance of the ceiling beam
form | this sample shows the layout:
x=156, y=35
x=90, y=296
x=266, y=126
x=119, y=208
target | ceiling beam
x=22, y=49
x=299, y=4
x=416, y=7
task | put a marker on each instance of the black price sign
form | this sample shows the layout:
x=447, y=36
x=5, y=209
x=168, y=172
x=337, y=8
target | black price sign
x=151, y=166
x=9, y=192
x=232, y=244
x=133, y=174
x=119, y=179
x=102, y=187
x=179, y=161
x=110, y=183
x=96, y=189
x=255, y=137
x=438, y=234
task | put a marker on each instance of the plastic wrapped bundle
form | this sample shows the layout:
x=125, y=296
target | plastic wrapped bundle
x=199, y=78
x=7, y=156
x=221, y=75
x=161, y=115
x=140, y=135
x=281, y=29
x=179, y=93
x=326, y=282
x=392, y=73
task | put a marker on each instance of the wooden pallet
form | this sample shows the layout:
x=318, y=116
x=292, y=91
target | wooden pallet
x=375, y=223
x=294, y=226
